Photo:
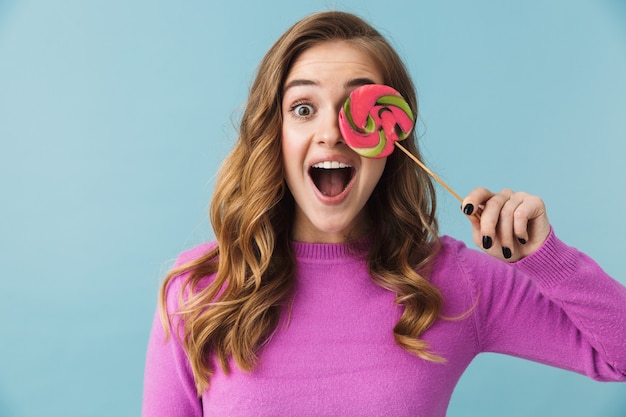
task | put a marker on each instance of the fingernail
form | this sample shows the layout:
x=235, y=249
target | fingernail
x=506, y=252
x=487, y=242
x=469, y=209
x=522, y=241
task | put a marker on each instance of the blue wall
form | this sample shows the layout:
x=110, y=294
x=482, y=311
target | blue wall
x=114, y=117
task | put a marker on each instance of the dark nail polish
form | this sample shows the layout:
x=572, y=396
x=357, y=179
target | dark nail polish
x=469, y=209
x=507, y=253
x=522, y=241
x=487, y=242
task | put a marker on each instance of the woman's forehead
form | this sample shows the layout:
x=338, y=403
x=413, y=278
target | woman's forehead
x=332, y=59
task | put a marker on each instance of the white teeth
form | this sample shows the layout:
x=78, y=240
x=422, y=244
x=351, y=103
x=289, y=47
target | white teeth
x=331, y=165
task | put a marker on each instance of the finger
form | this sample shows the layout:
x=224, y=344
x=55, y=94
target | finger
x=476, y=236
x=531, y=223
x=490, y=217
x=520, y=220
x=472, y=204
x=506, y=226
x=472, y=207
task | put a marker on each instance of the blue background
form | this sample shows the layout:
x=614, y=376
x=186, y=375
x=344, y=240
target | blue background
x=115, y=115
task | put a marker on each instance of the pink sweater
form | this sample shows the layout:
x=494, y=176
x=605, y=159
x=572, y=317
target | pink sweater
x=337, y=355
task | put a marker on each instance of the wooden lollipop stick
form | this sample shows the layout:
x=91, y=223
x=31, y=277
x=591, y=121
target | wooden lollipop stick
x=432, y=174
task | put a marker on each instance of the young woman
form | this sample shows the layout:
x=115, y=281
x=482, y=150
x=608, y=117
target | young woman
x=330, y=292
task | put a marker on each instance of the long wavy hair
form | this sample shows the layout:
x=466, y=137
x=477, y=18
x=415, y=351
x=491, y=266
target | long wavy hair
x=252, y=268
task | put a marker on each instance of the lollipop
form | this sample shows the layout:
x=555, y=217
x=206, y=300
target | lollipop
x=374, y=118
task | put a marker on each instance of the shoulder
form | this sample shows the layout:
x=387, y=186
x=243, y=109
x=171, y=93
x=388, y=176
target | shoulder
x=194, y=253
x=461, y=273
x=455, y=260
x=451, y=272
x=181, y=270
x=456, y=252
x=450, y=244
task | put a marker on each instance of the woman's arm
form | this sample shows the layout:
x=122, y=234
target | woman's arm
x=169, y=389
x=551, y=303
x=169, y=386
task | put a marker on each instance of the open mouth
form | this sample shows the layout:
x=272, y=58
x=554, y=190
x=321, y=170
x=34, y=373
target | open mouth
x=331, y=177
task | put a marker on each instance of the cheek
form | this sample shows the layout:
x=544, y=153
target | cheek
x=374, y=170
x=293, y=143
x=291, y=153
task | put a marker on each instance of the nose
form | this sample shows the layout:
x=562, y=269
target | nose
x=329, y=133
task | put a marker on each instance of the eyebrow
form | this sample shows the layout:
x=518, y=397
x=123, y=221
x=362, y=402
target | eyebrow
x=355, y=82
x=297, y=83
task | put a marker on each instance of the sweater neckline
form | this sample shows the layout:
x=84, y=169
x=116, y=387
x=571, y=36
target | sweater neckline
x=332, y=251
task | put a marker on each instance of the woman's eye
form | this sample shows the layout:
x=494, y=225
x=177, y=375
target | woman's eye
x=302, y=110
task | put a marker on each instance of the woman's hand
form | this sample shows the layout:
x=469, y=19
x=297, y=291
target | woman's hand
x=507, y=225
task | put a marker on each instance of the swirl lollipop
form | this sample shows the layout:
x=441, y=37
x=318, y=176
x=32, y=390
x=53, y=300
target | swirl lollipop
x=374, y=118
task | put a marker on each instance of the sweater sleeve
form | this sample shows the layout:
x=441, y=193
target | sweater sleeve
x=169, y=386
x=556, y=307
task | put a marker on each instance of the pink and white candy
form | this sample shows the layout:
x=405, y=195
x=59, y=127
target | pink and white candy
x=373, y=118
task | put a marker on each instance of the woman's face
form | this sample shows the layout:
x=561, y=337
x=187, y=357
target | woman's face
x=329, y=181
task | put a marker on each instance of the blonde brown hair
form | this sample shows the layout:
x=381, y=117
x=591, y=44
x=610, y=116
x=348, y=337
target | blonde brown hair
x=252, y=212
